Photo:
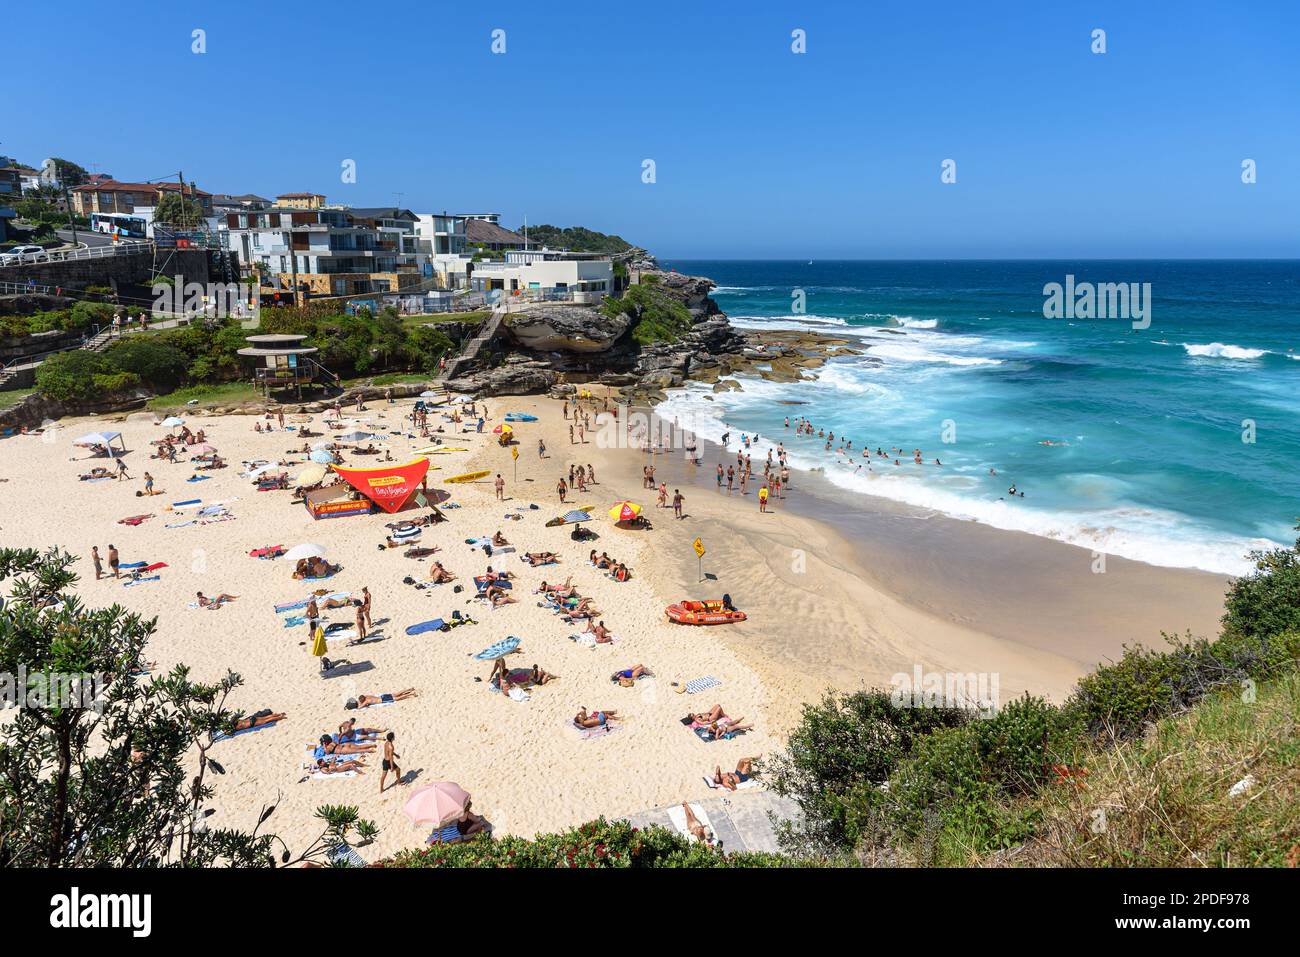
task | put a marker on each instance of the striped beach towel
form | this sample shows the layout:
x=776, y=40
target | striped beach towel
x=702, y=684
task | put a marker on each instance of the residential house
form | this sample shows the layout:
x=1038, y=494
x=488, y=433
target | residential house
x=301, y=200
x=485, y=234
x=327, y=252
x=547, y=274
x=110, y=196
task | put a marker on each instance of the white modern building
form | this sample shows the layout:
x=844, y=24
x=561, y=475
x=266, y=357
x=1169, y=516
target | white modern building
x=547, y=274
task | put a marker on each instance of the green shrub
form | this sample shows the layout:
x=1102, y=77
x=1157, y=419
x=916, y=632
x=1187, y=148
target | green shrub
x=1267, y=601
x=160, y=366
x=87, y=314
x=70, y=376
x=599, y=843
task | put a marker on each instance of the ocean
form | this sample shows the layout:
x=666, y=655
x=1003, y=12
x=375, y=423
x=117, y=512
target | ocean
x=1174, y=444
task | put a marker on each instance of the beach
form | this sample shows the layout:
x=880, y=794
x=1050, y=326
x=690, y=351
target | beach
x=839, y=594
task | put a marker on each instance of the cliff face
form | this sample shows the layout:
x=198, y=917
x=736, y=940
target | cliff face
x=554, y=343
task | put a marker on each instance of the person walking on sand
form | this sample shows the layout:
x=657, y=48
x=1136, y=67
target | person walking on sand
x=570, y=434
x=501, y=488
x=541, y=449
x=121, y=470
x=762, y=499
x=390, y=762
x=312, y=616
x=113, y=560
x=678, y=501
x=148, y=484
x=94, y=557
x=365, y=605
x=562, y=489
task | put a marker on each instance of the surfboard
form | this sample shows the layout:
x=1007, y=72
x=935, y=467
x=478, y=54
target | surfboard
x=520, y=417
x=438, y=449
x=468, y=477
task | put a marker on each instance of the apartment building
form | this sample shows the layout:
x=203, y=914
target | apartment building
x=301, y=200
x=547, y=274
x=111, y=196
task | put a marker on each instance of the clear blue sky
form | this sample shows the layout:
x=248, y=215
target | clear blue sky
x=760, y=153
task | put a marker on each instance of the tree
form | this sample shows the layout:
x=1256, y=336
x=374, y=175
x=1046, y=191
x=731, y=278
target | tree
x=70, y=174
x=110, y=779
x=177, y=210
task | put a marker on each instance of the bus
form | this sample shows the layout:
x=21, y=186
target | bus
x=119, y=225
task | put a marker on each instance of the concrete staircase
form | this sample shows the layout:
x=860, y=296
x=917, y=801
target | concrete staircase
x=485, y=333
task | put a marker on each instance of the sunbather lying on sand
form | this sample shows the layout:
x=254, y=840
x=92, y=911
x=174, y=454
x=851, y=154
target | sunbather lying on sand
x=440, y=575
x=600, y=561
x=497, y=576
x=603, y=636
x=556, y=592
x=314, y=568
x=583, y=609
x=325, y=766
x=265, y=716
x=96, y=473
x=594, y=719
x=367, y=700
x=695, y=828
x=627, y=677
x=708, y=717
x=731, y=780
x=211, y=603
x=725, y=726
x=498, y=596
x=329, y=746
x=541, y=558
x=505, y=677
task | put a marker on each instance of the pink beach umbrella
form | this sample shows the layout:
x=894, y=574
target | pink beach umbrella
x=203, y=449
x=438, y=804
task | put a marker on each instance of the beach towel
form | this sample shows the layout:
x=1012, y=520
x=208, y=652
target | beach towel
x=187, y=503
x=132, y=564
x=434, y=625
x=588, y=639
x=481, y=582
x=502, y=647
x=309, y=761
x=587, y=734
x=135, y=519
x=702, y=684
x=677, y=814
x=705, y=735
x=294, y=620
x=198, y=478
x=141, y=581
x=235, y=734
x=742, y=786
x=446, y=835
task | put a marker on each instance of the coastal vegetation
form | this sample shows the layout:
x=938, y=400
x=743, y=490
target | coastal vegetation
x=657, y=316
x=599, y=843
x=104, y=765
x=577, y=238
x=1134, y=768
x=205, y=354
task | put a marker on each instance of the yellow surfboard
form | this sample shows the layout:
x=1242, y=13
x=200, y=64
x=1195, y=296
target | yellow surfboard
x=468, y=477
x=436, y=449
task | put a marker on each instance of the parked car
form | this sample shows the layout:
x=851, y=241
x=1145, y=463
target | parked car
x=21, y=254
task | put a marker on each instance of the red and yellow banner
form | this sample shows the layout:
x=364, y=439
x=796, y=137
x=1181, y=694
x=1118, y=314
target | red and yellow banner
x=389, y=486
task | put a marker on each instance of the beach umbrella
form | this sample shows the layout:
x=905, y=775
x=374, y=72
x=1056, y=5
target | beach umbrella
x=428, y=394
x=306, y=550
x=260, y=470
x=311, y=475
x=435, y=496
x=316, y=446
x=319, y=646
x=503, y=428
x=203, y=449
x=624, y=511
x=438, y=804
x=577, y=515
x=322, y=456
x=361, y=437
x=172, y=421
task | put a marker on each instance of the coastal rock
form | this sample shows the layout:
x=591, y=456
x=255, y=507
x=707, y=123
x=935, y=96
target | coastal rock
x=518, y=375
x=550, y=327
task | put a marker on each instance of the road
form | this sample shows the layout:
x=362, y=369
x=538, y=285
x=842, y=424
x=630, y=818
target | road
x=85, y=237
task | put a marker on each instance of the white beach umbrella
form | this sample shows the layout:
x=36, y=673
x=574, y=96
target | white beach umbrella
x=306, y=550
x=172, y=421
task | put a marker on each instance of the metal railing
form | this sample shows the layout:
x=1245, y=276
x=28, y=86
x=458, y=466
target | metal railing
x=85, y=252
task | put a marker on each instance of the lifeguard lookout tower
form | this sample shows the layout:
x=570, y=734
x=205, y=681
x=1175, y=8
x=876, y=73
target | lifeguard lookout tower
x=283, y=362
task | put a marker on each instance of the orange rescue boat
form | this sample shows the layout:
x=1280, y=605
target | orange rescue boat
x=708, y=612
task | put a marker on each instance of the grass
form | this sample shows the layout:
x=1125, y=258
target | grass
x=1164, y=801
x=226, y=393
x=12, y=397
x=467, y=318
x=389, y=378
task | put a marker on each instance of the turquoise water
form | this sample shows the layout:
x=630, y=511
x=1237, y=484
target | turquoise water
x=1149, y=461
